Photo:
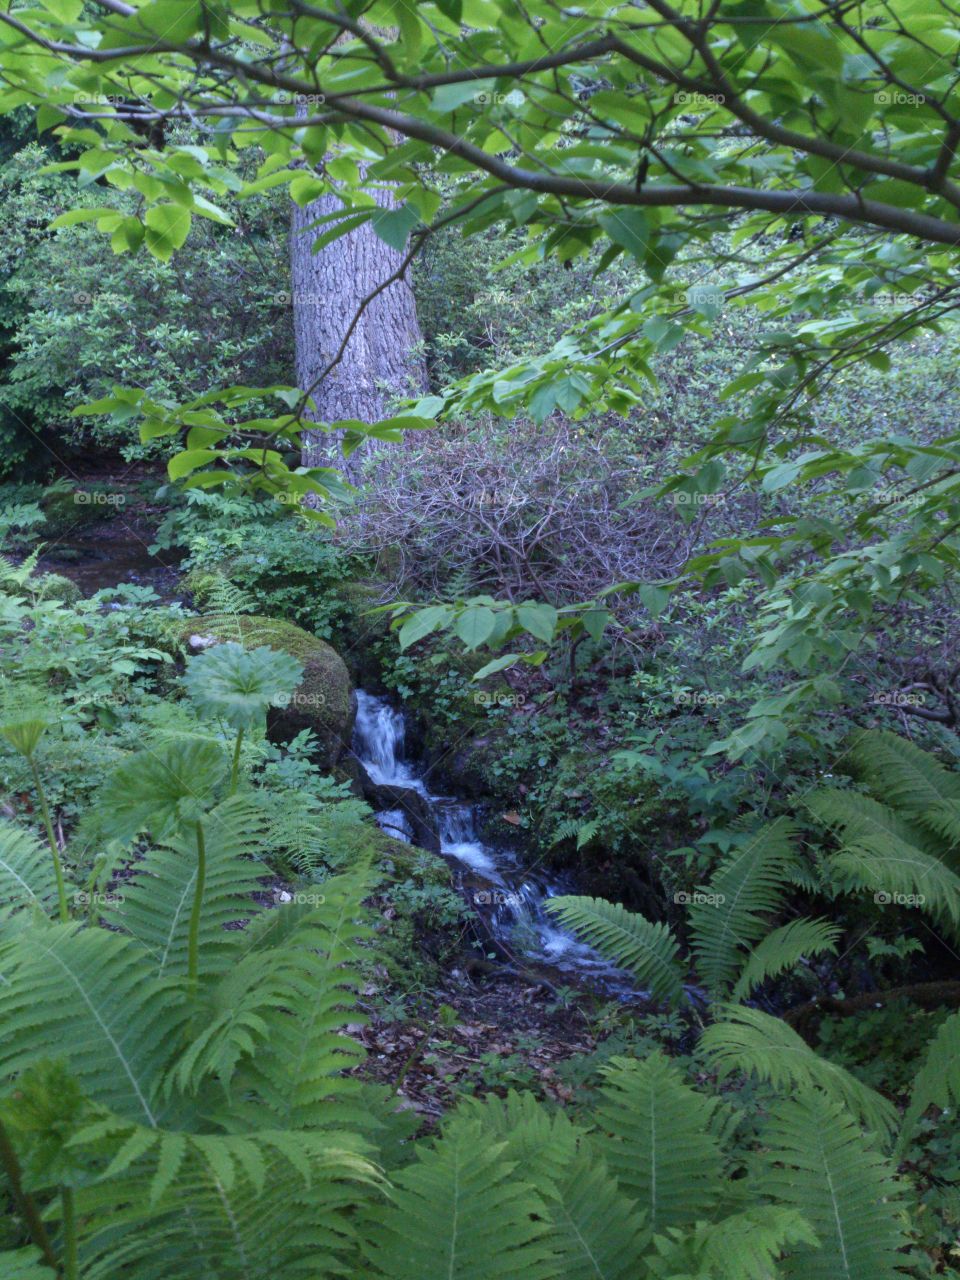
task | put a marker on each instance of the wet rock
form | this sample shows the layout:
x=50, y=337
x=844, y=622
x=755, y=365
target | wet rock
x=323, y=702
x=414, y=807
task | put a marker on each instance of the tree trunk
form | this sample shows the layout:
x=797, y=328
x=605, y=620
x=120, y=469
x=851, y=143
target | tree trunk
x=382, y=359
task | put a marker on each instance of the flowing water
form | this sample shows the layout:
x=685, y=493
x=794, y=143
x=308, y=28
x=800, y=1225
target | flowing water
x=509, y=897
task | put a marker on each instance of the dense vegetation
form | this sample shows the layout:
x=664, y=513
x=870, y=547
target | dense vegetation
x=662, y=572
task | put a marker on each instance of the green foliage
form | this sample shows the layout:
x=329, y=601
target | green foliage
x=239, y=685
x=664, y=1140
x=847, y=1193
x=438, y=1223
x=648, y=950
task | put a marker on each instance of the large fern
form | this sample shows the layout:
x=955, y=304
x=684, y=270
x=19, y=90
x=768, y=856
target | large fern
x=598, y=1231
x=92, y=998
x=845, y=1191
x=887, y=854
x=782, y=949
x=458, y=1212
x=937, y=1083
x=749, y=1040
x=648, y=950
x=912, y=780
x=742, y=1246
x=733, y=912
x=153, y=905
x=26, y=871
x=662, y=1140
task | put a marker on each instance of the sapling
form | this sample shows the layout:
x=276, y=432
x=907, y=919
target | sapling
x=162, y=791
x=239, y=686
x=24, y=736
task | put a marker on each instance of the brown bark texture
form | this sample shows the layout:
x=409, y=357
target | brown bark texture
x=382, y=358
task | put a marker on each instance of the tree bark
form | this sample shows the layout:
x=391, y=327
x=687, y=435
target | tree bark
x=381, y=360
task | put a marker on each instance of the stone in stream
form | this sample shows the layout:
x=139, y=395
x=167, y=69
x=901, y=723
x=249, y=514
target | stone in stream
x=323, y=701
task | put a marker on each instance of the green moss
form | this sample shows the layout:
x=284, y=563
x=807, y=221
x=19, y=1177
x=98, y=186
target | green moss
x=53, y=586
x=322, y=702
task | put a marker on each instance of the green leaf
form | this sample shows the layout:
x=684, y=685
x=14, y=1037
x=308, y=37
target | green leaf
x=423, y=623
x=167, y=227
x=393, y=226
x=655, y=599
x=539, y=619
x=475, y=625
x=629, y=228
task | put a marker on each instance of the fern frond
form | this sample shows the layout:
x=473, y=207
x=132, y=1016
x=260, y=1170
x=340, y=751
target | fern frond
x=16, y=576
x=784, y=948
x=910, y=779
x=27, y=877
x=648, y=950
x=91, y=998
x=301, y=1068
x=884, y=853
x=937, y=1083
x=220, y=1207
x=23, y=1264
x=154, y=906
x=743, y=1246
x=749, y=885
x=844, y=1190
x=461, y=1212
x=858, y=818
x=662, y=1140
x=751, y=1041
x=597, y=1231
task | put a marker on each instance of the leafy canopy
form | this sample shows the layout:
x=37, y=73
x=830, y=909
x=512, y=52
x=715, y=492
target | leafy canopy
x=795, y=158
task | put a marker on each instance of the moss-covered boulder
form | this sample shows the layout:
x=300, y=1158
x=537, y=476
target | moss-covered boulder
x=54, y=586
x=357, y=632
x=323, y=701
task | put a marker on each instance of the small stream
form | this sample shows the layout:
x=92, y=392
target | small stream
x=509, y=897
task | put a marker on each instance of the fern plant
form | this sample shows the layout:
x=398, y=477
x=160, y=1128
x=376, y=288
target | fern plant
x=729, y=921
x=179, y=1091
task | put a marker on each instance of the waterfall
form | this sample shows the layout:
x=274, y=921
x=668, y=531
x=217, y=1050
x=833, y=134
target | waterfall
x=510, y=897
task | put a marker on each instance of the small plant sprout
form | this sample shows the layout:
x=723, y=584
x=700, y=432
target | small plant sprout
x=163, y=791
x=238, y=686
x=24, y=736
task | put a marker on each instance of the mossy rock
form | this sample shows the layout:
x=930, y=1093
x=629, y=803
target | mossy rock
x=323, y=701
x=54, y=586
x=357, y=633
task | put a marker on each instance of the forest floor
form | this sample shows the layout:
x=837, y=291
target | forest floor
x=476, y=1036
